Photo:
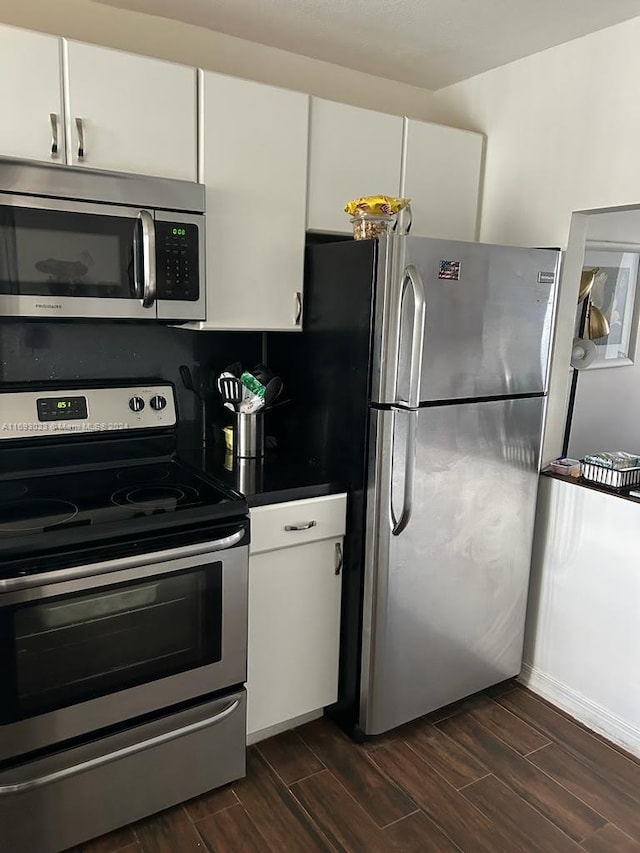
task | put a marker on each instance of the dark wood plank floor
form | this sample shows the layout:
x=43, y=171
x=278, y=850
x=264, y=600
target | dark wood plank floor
x=498, y=773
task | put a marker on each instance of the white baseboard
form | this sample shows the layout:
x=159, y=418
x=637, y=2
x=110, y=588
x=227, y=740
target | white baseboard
x=589, y=713
x=263, y=734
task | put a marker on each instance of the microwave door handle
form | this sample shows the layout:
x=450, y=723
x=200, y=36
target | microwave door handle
x=148, y=259
x=137, y=278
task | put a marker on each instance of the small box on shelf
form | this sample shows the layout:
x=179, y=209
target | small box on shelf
x=568, y=467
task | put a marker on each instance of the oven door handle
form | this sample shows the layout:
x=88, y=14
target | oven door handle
x=122, y=563
x=125, y=752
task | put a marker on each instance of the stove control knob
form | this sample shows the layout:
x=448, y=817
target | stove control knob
x=136, y=404
x=158, y=403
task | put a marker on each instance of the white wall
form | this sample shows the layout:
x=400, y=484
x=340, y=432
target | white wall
x=607, y=405
x=563, y=130
x=154, y=36
x=562, y=134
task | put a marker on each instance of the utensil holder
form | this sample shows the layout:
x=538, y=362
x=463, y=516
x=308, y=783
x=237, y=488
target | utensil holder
x=249, y=435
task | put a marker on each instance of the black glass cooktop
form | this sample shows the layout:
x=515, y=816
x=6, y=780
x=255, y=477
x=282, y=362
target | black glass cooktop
x=73, y=506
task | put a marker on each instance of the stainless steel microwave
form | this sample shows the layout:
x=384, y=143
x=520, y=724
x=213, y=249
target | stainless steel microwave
x=76, y=243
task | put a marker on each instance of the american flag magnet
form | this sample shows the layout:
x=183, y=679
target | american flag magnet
x=449, y=270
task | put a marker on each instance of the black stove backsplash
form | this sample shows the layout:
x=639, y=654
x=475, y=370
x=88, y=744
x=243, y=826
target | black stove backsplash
x=74, y=351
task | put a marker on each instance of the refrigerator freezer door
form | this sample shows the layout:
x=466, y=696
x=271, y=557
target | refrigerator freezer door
x=489, y=320
x=445, y=598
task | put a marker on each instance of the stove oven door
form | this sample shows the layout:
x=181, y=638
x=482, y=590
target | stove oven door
x=89, y=647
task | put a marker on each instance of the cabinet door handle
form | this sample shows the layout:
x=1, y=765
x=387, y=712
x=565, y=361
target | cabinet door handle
x=80, y=132
x=298, y=314
x=339, y=558
x=306, y=525
x=53, y=118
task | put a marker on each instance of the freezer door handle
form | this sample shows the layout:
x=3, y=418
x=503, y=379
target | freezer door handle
x=412, y=277
x=399, y=523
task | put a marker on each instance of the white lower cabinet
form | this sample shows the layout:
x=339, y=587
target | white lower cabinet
x=295, y=583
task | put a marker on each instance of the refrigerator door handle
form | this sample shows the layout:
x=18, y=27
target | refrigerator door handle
x=413, y=277
x=398, y=524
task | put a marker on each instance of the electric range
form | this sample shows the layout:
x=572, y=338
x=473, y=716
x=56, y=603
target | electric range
x=123, y=614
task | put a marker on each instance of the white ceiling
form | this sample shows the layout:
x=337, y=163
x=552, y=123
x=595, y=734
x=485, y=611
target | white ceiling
x=429, y=43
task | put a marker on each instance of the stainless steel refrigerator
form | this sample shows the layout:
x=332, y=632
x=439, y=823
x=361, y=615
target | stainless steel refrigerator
x=424, y=364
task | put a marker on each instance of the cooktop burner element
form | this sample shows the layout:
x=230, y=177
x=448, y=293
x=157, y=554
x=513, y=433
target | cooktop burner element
x=103, y=507
x=155, y=497
x=37, y=514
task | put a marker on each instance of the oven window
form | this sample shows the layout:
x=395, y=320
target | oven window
x=60, y=253
x=76, y=647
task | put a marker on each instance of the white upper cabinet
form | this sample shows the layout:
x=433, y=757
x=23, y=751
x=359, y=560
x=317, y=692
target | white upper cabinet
x=30, y=96
x=442, y=177
x=352, y=153
x=130, y=113
x=253, y=160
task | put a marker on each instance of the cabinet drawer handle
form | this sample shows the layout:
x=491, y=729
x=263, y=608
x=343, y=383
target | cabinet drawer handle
x=339, y=558
x=307, y=525
x=80, y=132
x=53, y=118
x=298, y=314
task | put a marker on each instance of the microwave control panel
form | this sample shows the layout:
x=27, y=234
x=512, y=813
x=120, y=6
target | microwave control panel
x=177, y=261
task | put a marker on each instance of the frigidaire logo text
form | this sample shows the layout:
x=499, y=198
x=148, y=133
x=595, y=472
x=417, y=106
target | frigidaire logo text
x=48, y=305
